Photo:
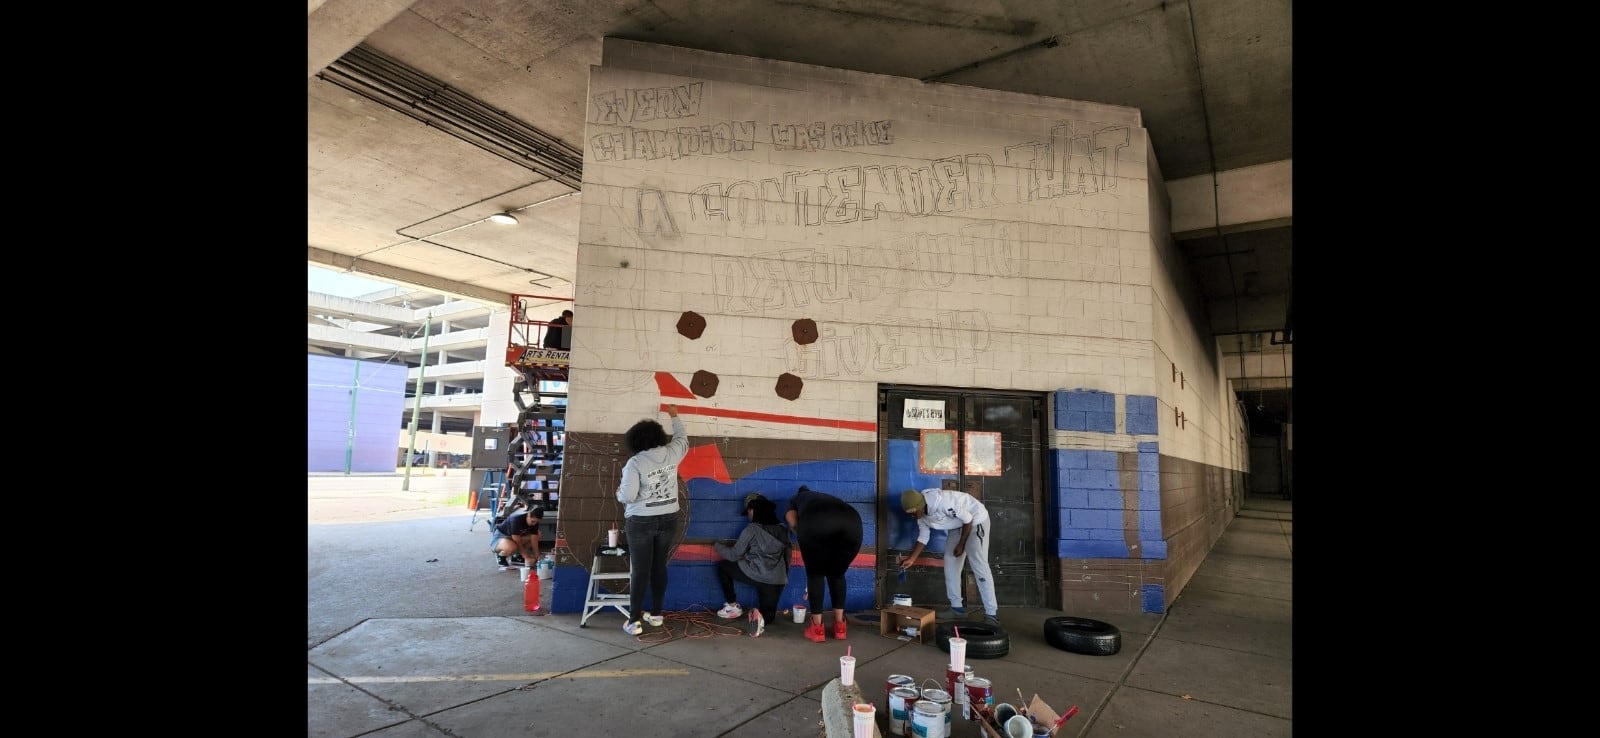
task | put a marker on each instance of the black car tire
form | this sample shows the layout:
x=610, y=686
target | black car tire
x=984, y=640
x=1082, y=635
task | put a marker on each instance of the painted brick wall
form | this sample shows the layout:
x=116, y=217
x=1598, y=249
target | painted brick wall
x=766, y=243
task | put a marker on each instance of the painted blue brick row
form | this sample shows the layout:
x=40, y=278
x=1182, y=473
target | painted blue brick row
x=1149, y=447
x=1088, y=549
x=1153, y=598
x=1154, y=548
x=1093, y=479
x=1086, y=410
x=1150, y=523
x=1090, y=519
x=1139, y=414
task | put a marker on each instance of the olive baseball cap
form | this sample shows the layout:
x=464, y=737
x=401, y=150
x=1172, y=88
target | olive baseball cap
x=911, y=500
x=752, y=497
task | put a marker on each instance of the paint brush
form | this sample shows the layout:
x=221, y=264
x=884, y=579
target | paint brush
x=1063, y=719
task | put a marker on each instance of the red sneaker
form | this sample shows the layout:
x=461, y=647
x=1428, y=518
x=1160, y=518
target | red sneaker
x=838, y=630
x=815, y=633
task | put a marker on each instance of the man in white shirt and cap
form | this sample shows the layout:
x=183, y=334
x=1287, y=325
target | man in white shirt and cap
x=940, y=509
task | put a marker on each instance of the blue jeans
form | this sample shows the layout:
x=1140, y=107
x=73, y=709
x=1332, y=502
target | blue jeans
x=650, y=540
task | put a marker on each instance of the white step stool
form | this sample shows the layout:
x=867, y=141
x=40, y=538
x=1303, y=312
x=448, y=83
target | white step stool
x=601, y=595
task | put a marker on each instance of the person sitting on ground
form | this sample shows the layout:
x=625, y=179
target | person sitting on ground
x=760, y=557
x=558, y=334
x=518, y=535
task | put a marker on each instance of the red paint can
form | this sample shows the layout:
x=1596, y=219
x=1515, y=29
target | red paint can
x=980, y=697
x=896, y=681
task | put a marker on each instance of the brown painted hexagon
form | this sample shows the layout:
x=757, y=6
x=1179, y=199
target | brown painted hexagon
x=789, y=386
x=704, y=383
x=691, y=325
x=805, y=331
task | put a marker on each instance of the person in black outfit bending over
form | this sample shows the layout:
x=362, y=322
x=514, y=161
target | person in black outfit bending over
x=828, y=530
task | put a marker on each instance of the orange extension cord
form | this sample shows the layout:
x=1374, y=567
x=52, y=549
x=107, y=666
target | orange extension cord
x=695, y=622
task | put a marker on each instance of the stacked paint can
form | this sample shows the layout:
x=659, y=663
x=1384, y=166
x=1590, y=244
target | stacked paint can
x=942, y=701
x=895, y=681
x=980, y=697
x=902, y=700
x=958, y=690
x=927, y=720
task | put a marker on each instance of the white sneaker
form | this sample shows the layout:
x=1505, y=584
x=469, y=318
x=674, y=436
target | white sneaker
x=654, y=620
x=761, y=623
x=730, y=611
x=634, y=628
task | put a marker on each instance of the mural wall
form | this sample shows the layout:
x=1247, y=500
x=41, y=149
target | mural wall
x=765, y=243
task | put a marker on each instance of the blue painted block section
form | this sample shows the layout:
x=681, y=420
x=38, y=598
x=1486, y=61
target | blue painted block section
x=1139, y=413
x=1072, y=459
x=1153, y=598
x=1102, y=460
x=1154, y=548
x=903, y=466
x=1085, y=410
x=1073, y=497
x=571, y=584
x=1149, y=447
x=1090, y=519
x=717, y=509
x=690, y=583
x=1150, y=524
x=1105, y=422
x=1106, y=534
x=1100, y=499
x=1085, y=478
x=1073, y=534
x=858, y=585
x=1149, y=481
x=1092, y=550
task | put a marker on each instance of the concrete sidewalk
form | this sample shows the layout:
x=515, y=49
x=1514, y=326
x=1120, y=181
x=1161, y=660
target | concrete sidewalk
x=412, y=632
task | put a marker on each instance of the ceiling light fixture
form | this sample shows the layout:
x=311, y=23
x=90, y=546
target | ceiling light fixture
x=504, y=218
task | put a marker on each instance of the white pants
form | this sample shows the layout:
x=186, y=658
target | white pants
x=978, y=554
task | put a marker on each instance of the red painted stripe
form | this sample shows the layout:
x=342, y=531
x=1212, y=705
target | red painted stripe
x=870, y=427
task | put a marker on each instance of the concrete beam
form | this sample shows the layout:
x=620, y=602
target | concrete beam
x=1261, y=196
x=462, y=290
x=334, y=27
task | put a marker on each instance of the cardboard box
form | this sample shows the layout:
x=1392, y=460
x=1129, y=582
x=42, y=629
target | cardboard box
x=1040, y=711
x=894, y=619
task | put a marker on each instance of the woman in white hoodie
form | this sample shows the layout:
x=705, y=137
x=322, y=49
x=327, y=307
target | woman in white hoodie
x=649, y=493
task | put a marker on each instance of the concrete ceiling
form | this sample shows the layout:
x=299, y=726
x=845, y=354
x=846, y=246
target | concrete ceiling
x=423, y=118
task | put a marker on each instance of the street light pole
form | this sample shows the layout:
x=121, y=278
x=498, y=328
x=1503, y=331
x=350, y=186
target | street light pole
x=416, y=407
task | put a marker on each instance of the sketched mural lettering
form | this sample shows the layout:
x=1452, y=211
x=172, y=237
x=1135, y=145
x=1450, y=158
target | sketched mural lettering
x=1069, y=164
x=954, y=337
x=673, y=143
x=820, y=135
x=794, y=278
x=851, y=194
x=652, y=103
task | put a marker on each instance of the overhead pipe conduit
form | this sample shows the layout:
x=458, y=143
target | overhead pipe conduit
x=376, y=77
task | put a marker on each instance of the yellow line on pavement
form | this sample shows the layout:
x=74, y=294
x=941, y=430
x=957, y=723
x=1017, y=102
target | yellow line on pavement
x=529, y=677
